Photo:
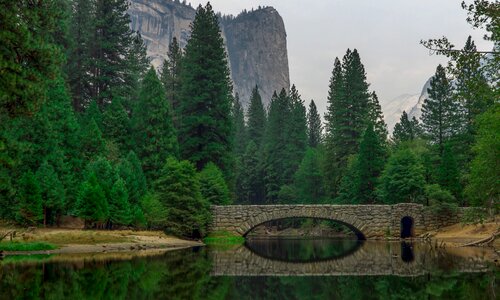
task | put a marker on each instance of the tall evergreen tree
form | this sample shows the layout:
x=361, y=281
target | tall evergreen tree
x=154, y=132
x=136, y=66
x=295, y=134
x=314, y=127
x=252, y=189
x=308, y=180
x=376, y=118
x=213, y=187
x=205, y=132
x=116, y=124
x=109, y=49
x=170, y=77
x=448, y=174
x=178, y=190
x=371, y=162
x=79, y=53
x=30, y=211
x=92, y=144
x=256, y=116
x=119, y=207
x=440, y=114
x=349, y=102
x=240, y=138
x=130, y=170
x=406, y=129
x=91, y=204
x=52, y=192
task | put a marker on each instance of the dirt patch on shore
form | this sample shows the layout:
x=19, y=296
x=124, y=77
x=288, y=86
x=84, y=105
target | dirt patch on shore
x=98, y=241
x=460, y=234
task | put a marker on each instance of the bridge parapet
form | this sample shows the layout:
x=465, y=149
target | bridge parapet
x=367, y=221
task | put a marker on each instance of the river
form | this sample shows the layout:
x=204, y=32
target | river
x=260, y=269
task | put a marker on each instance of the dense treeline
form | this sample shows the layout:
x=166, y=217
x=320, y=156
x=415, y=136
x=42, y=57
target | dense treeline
x=89, y=128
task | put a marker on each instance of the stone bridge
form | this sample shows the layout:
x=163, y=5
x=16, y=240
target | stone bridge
x=366, y=221
x=372, y=258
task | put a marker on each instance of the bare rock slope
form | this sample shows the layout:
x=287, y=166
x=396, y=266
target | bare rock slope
x=255, y=42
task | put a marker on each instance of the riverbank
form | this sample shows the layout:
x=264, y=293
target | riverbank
x=75, y=241
x=459, y=234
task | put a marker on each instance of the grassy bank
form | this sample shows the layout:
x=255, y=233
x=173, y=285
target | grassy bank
x=26, y=246
x=223, y=238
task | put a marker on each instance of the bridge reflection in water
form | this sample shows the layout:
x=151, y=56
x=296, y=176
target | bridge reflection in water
x=337, y=258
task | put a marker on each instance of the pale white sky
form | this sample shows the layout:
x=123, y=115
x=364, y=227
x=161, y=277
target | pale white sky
x=385, y=32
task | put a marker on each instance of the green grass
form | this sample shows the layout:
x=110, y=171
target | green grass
x=223, y=238
x=28, y=246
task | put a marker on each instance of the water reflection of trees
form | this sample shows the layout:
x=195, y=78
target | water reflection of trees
x=186, y=275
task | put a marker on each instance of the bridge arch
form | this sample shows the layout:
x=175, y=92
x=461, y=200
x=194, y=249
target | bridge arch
x=260, y=221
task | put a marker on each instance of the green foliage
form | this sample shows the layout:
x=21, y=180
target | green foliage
x=314, y=127
x=155, y=213
x=120, y=212
x=256, y=116
x=29, y=55
x=213, y=187
x=91, y=204
x=223, y=238
x=406, y=129
x=170, y=77
x=441, y=117
x=402, y=179
x=155, y=136
x=308, y=181
x=178, y=189
x=52, y=192
x=116, y=124
x=30, y=211
x=441, y=201
x=474, y=215
x=240, y=132
x=131, y=171
x=483, y=188
x=92, y=144
x=250, y=177
x=448, y=174
x=205, y=132
x=26, y=246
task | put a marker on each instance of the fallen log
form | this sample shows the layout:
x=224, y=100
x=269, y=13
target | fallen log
x=486, y=240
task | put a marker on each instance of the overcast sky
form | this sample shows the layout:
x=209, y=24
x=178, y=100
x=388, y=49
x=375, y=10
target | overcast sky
x=385, y=32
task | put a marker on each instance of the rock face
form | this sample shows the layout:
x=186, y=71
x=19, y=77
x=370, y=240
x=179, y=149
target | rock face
x=255, y=42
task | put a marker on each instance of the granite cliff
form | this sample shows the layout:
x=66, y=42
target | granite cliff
x=255, y=42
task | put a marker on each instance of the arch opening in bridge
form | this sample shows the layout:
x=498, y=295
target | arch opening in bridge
x=359, y=235
x=407, y=227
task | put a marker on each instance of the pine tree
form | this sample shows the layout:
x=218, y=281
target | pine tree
x=91, y=204
x=155, y=137
x=448, y=174
x=155, y=213
x=314, y=131
x=170, y=77
x=440, y=114
x=308, y=180
x=252, y=186
x=116, y=124
x=376, y=118
x=370, y=164
x=256, y=116
x=109, y=49
x=104, y=172
x=178, y=190
x=240, y=138
x=406, y=129
x=119, y=207
x=275, y=145
x=402, y=179
x=131, y=171
x=79, y=53
x=213, y=187
x=137, y=64
x=30, y=210
x=29, y=55
x=295, y=134
x=91, y=141
x=52, y=192
x=205, y=132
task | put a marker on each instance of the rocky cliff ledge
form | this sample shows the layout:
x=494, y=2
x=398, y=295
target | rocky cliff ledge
x=255, y=42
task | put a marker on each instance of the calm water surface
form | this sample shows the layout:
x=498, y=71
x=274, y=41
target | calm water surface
x=260, y=269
